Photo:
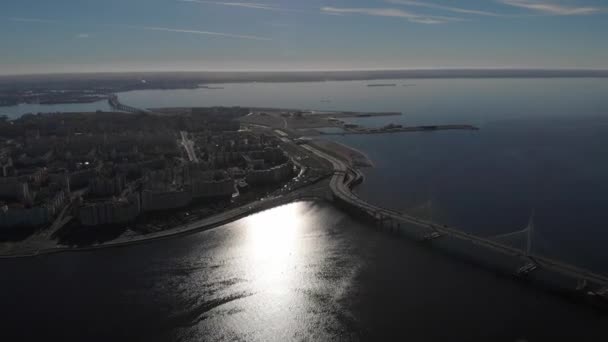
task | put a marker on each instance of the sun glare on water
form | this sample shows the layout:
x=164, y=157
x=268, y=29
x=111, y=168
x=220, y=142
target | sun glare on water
x=274, y=240
x=279, y=263
x=272, y=233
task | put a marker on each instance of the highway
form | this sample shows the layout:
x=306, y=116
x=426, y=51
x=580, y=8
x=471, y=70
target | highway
x=189, y=146
x=342, y=182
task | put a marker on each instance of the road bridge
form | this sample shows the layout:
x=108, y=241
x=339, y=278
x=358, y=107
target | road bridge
x=117, y=105
x=345, y=178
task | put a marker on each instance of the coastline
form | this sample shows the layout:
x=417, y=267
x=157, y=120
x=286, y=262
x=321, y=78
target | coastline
x=205, y=224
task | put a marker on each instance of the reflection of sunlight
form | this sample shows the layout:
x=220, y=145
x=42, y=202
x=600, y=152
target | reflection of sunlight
x=277, y=257
x=273, y=232
x=272, y=237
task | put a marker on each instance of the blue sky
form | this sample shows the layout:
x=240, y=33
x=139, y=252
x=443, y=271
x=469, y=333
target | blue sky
x=147, y=35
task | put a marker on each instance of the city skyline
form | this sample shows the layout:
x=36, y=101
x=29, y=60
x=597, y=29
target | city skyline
x=183, y=35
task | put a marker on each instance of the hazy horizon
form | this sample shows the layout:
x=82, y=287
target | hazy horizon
x=410, y=72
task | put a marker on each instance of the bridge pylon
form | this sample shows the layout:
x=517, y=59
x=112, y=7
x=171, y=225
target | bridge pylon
x=530, y=230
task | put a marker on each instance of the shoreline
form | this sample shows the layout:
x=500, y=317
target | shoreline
x=205, y=224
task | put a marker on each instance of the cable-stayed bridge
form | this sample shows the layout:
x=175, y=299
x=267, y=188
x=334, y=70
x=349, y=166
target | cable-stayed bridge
x=521, y=239
x=521, y=259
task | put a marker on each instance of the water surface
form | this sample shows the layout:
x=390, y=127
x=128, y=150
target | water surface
x=302, y=272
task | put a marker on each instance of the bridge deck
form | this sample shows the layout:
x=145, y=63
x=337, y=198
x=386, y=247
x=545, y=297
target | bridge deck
x=116, y=104
x=341, y=187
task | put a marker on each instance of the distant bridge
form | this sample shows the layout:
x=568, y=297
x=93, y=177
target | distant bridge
x=115, y=104
x=524, y=262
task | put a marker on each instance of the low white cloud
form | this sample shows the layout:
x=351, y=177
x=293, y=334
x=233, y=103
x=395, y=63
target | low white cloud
x=551, y=8
x=85, y=35
x=331, y=13
x=251, y=5
x=33, y=20
x=443, y=7
x=390, y=12
x=207, y=33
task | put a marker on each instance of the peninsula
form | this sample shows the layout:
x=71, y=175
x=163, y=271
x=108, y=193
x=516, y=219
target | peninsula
x=75, y=181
